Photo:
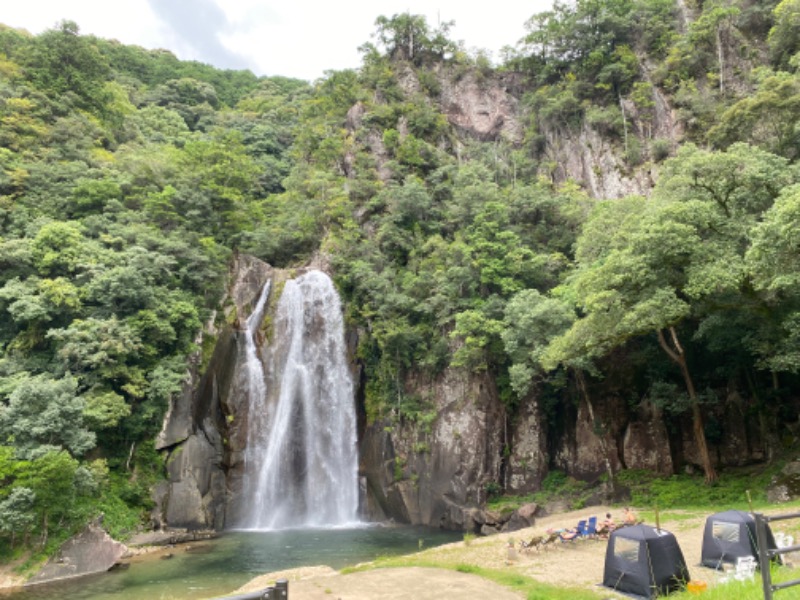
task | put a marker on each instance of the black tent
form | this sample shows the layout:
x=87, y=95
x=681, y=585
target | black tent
x=644, y=561
x=730, y=535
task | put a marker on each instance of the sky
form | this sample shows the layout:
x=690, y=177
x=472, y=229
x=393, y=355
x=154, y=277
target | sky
x=292, y=38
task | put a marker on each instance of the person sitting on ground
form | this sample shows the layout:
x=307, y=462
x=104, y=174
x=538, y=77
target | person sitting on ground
x=606, y=526
x=631, y=518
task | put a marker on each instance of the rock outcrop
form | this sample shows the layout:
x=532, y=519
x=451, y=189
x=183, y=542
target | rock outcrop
x=201, y=441
x=433, y=473
x=785, y=487
x=91, y=551
x=483, y=108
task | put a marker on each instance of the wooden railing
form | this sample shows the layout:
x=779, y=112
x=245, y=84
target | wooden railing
x=765, y=555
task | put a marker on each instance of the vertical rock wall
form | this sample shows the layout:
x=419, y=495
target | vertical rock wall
x=199, y=438
x=434, y=474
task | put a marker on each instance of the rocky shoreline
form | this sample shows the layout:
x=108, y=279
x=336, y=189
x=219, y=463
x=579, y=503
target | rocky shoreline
x=94, y=551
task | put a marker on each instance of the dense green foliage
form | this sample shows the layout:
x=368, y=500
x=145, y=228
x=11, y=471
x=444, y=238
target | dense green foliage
x=128, y=178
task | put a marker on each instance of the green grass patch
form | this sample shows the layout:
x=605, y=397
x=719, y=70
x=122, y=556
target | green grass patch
x=648, y=491
x=556, y=486
x=533, y=590
x=690, y=491
x=747, y=590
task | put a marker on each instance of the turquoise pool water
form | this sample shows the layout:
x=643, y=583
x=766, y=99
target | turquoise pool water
x=217, y=567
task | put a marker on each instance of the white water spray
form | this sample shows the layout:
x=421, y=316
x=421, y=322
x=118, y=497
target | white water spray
x=256, y=387
x=301, y=462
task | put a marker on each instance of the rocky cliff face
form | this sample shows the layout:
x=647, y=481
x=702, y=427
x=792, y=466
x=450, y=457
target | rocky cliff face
x=434, y=472
x=435, y=467
x=202, y=432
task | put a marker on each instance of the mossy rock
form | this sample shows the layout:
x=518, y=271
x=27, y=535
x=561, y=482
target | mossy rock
x=785, y=486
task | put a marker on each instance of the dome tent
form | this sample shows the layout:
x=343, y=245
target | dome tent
x=729, y=536
x=644, y=561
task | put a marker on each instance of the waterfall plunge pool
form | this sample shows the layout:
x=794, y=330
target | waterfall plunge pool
x=217, y=567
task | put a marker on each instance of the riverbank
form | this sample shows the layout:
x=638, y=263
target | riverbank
x=435, y=573
x=142, y=547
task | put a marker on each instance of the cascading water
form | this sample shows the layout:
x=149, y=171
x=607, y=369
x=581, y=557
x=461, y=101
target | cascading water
x=301, y=462
x=256, y=387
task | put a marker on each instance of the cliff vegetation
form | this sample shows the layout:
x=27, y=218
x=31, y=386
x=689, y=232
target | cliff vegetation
x=606, y=221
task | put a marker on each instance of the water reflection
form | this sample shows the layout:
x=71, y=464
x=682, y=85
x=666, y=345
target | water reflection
x=217, y=567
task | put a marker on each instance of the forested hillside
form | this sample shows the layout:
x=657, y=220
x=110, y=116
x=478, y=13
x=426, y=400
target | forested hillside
x=439, y=187
x=128, y=178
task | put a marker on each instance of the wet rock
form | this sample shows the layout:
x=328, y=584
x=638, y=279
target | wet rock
x=172, y=537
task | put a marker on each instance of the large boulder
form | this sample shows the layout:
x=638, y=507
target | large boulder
x=785, y=487
x=91, y=551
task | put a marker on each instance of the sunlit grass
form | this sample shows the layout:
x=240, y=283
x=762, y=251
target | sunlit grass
x=748, y=590
x=533, y=590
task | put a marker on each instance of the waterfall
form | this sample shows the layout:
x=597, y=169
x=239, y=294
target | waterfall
x=256, y=388
x=301, y=462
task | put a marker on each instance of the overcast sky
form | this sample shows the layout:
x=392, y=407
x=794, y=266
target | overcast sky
x=294, y=38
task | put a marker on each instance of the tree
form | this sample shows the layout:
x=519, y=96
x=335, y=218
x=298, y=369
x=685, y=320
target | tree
x=531, y=321
x=51, y=479
x=769, y=117
x=672, y=262
x=408, y=37
x=774, y=265
x=16, y=512
x=784, y=37
x=62, y=62
x=59, y=248
x=44, y=414
x=629, y=291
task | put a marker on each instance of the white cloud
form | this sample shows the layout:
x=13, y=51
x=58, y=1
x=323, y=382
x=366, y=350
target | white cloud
x=302, y=38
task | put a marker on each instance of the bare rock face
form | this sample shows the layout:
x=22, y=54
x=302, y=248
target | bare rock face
x=646, y=443
x=527, y=462
x=735, y=443
x=197, y=483
x=198, y=458
x=436, y=476
x=587, y=452
x=484, y=108
x=587, y=157
x=91, y=551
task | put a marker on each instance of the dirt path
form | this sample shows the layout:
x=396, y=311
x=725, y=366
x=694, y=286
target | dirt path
x=419, y=583
x=578, y=564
